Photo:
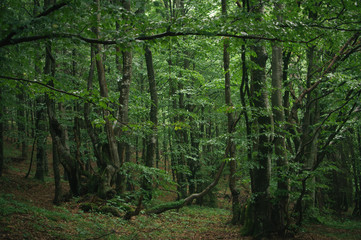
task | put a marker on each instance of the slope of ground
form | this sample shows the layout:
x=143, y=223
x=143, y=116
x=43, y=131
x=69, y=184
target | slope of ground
x=27, y=212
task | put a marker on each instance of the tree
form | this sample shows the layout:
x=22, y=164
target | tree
x=152, y=136
x=1, y=134
x=111, y=161
x=124, y=87
x=260, y=222
x=282, y=194
x=236, y=209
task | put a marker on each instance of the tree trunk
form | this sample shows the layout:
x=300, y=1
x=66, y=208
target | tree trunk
x=182, y=146
x=49, y=69
x=77, y=121
x=244, y=92
x=308, y=148
x=236, y=207
x=40, y=138
x=21, y=124
x=174, y=141
x=1, y=133
x=259, y=222
x=195, y=136
x=165, y=145
x=124, y=87
x=282, y=194
x=52, y=113
x=152, y=137
x=112, y=164
x=357, y=177
x=39, y=116
x=194, y=165
x=91, y=131
x=58, y=190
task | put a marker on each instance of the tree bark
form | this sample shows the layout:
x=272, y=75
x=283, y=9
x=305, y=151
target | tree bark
x=39, y=119
x=91, y=131
x=307, y=152
x=40, y=138
x=52, y=114
x=49, y=69
x=195, y=136
x=1, y=133
x=282, y=195
x=152, y=137
x=112, y=165
x=357, y=177
x=124, y=87
x=259, y=222
x=236, y=207
x=21, y=122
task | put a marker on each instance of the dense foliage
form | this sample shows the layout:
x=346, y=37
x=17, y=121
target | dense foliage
x=146, y=95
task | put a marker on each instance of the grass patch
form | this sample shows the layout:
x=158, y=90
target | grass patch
x=8, y=206
x=60, y=223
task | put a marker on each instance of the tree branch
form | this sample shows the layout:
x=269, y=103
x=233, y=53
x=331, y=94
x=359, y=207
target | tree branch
x=53, y=8
x=8, y=39
x=188, y=200
x=42, y=84
x=332, y=65
x=61, y=91
x=11, y=41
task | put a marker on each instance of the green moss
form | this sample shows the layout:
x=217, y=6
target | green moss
x=110, y=210
x=166, y=206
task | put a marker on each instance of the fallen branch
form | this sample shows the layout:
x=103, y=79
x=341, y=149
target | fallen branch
x=136, y=212
x=188, y=200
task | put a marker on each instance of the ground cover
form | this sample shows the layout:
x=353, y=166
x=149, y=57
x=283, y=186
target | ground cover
x=27, y=212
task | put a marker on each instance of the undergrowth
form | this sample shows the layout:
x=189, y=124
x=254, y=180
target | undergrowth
x=64, y=223
x=334, y=226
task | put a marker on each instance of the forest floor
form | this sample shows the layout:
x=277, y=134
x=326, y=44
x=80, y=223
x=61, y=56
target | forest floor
x=27, y=212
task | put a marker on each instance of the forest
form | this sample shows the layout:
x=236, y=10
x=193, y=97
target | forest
x=180, y=119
